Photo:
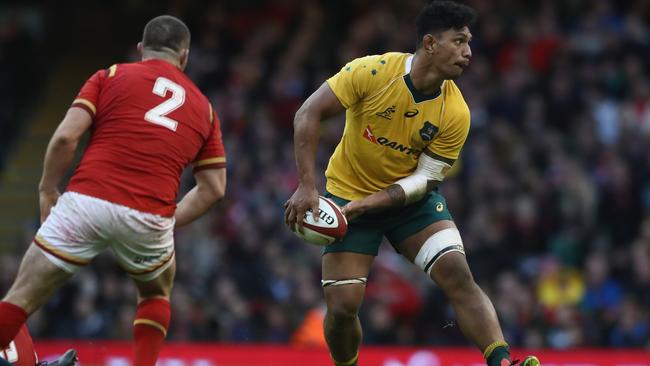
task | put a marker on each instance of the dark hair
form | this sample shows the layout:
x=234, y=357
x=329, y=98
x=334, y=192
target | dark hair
x=165, y=31
x=441, y=15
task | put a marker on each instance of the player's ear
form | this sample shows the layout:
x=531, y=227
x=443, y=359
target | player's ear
x=140, y=48
x=184, y=57
x=429, y=43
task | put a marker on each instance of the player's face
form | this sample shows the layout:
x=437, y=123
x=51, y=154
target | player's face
x=452, y=52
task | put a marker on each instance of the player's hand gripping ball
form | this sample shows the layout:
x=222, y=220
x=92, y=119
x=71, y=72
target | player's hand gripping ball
x=331, y=226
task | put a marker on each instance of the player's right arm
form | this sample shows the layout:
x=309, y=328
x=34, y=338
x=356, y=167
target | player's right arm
x=59, y=156
x=343, y=90
x=61, y=149
x=323, y=103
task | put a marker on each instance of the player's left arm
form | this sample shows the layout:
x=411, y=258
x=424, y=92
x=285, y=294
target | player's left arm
x=209, y=169
x=433, y=164
x=210, y=187
x=60, y=154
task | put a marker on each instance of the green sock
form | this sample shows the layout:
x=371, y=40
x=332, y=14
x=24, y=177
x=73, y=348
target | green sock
x=497, y=356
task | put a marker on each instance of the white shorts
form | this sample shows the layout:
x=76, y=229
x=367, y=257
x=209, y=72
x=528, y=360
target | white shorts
x=79, y=227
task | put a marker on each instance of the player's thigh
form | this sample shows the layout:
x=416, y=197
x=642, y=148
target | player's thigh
x=160, y=286
x=38, y=278
x=74, y=232
x=411, y=246
x=364, y=234
x=438, y=250
x=346, y=263
x=69, y=239
x=143, y=244
x=426, y=235
x=416, y=222
x=344, y=280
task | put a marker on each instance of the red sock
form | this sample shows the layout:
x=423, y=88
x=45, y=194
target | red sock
x=12, y=317
x=149, y=331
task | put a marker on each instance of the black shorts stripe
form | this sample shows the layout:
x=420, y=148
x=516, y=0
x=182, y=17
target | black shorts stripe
x=456, y=247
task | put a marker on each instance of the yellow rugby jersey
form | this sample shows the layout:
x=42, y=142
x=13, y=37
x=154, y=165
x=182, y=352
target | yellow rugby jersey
x=388, y=123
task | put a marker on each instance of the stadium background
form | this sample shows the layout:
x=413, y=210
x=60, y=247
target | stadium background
x=552, y=194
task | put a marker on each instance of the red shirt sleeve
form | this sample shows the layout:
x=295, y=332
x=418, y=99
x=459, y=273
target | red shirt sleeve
x=89, y=94
x=212, y=154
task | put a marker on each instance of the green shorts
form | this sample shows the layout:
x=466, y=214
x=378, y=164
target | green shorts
x=365, y=233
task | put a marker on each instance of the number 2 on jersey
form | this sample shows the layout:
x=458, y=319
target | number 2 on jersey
x=158, y=114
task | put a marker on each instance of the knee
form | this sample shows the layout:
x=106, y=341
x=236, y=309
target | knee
x=455, y=279
x=155, y=293
x=342, y=308
x=159, y=287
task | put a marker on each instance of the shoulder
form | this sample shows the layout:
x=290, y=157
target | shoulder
x=120, y=69
x=455, y=104
x=385, y=65
x=104, y=73
x=369, y=74
x=115, y=71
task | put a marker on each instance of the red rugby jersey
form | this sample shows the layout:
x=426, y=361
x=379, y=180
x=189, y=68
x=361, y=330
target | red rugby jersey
x=149, y=122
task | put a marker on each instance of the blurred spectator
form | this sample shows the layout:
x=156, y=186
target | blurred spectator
x=21, y=70
x=632, y=329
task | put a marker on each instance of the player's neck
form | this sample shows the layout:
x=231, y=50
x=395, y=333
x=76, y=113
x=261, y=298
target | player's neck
x=151, y=55
x=425, y=78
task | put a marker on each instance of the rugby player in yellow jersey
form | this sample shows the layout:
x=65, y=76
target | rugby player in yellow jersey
x=406, y=122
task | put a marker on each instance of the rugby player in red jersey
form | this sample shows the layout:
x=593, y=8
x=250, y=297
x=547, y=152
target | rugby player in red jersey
x=147, y=122
x=20, y=352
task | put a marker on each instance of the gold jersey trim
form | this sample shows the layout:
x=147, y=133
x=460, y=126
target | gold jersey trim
x=87, y=103
x=209, y=161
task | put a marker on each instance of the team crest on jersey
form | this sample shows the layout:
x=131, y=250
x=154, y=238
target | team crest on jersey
x=388, y=113
x=428, y=131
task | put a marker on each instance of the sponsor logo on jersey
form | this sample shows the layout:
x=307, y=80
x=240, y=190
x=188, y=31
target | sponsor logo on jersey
x=368, y=135
x=383, y=141
x=411, y=113
x=388, y=113
x=428, y=131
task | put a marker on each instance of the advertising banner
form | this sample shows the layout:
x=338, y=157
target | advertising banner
x=217, y=354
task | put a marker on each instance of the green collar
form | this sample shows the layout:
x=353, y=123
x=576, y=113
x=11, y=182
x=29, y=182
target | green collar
x=418, y=95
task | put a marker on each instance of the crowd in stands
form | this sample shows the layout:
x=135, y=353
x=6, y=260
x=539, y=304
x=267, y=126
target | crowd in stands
x=551, y=194
x=21, y=76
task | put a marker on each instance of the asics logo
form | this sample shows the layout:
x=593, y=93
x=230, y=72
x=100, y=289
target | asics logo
x=411, y=113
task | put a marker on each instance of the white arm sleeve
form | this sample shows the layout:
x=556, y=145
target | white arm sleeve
x=415, y=185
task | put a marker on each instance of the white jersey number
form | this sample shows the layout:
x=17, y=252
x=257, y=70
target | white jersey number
x=158, y=114
x=10, y=353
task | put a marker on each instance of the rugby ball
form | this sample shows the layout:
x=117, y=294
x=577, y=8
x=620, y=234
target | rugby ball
x=331, y=226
